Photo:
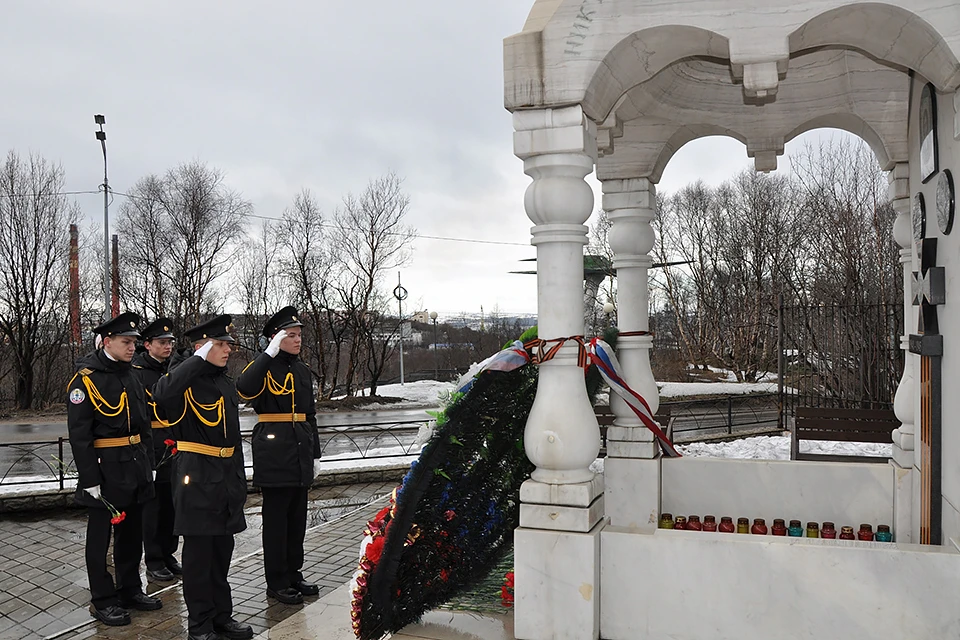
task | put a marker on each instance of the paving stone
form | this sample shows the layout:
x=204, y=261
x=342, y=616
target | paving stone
x=47, y=571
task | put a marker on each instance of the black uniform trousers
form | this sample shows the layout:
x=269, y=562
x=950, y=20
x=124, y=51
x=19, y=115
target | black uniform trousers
x=159, y=543
x=206, y=561
x=284, y=513
x=127, y=550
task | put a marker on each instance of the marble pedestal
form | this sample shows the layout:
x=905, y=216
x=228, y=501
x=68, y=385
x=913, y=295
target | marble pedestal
x=557, y=561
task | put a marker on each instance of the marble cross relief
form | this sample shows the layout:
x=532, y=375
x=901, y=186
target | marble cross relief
x=929, y=291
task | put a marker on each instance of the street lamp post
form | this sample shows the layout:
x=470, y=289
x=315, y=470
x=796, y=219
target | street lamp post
x=608, y=310
x=102, y=137
x=436, y=356
x=400, y=293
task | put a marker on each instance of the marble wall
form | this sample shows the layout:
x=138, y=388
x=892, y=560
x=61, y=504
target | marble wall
x=948, y=256
x=844, y=493
x=690, y=586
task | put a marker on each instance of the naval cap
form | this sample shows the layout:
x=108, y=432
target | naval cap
x=124, y=324
x=159, y=328
x=218, y=328
x=283, y=319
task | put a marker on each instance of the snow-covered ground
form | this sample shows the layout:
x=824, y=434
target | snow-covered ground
x=422, y=393
x=772, y=448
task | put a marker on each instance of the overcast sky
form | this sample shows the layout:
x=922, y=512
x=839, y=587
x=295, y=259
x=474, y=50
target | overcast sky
x=287, y=95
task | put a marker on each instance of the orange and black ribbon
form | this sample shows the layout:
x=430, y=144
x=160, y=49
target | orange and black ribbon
x=540, y=354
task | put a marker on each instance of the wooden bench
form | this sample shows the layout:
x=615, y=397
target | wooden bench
x=605, y=419
x=842, y=425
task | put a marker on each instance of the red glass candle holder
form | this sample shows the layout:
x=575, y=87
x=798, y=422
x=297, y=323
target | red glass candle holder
x=709, y=523
x=694, y=524
x=759, y=527
x=779, y=527
x=726, y=525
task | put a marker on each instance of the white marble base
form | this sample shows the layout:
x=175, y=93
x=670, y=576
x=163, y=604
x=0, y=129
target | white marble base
x=581, y=494
x=558, y=518
x=903, y=457
x=903, y=503
x=557, y=576
x=632, y=492
x=845, y=493
x=688, y=585
x=623, y=449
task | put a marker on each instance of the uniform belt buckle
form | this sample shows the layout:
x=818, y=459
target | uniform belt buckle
x=223, y=452
x=131, y=439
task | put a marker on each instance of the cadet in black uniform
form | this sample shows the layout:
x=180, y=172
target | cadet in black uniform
x=111, y=444
x=209, y=485
x=286, y=452
x=159, y=541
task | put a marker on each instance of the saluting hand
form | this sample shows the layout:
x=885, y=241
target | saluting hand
x=274, y=347
x=204, y=350
x=93, y=491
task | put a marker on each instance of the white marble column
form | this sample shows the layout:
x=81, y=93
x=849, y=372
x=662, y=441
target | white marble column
x=557, y=546
x=905, y=401
x=632, y=467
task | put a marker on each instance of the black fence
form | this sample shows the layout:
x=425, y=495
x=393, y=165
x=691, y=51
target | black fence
x=49, y=465
x=735, y=415
x=841, y=356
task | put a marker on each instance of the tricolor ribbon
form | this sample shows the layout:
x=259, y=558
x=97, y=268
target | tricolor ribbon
x=602, y=355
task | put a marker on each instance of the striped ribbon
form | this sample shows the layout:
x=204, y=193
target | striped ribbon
x=536, y=346
x=602, y=355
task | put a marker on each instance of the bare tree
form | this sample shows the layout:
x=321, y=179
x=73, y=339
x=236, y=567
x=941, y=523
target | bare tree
x=258, y=282
x=309, y=268
x=34, y=249
x=372, y=239
x=181, y=233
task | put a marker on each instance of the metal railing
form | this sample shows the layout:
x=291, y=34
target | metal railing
x=730, y=415
x=51, y=461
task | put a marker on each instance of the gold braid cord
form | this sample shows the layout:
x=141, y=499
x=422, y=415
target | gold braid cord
x=269, y=382
x=100, y=404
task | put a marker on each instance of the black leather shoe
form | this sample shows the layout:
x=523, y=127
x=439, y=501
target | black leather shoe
x=306, y=588
x=141, y=602
x=203, y=636
x=174, y=567
x=286, y=596
x=161, y=575
x=234, y=630
x=112, y=616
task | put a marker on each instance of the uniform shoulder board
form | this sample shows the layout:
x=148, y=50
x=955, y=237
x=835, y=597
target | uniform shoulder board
x=136, y=366
x=85, y=371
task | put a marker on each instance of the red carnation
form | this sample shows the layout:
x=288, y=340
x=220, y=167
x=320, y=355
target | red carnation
x=449, y=514
x=374, y=549
x=169, y=442
x=444, y=574
x=119, y=518
x=173, y=451
x=506, y=590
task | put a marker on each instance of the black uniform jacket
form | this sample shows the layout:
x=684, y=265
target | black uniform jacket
x=123, y=473
x=148, y=371
x=283, y=452
x=208, y=492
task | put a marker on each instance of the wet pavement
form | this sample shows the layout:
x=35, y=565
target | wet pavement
x=43, y=584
